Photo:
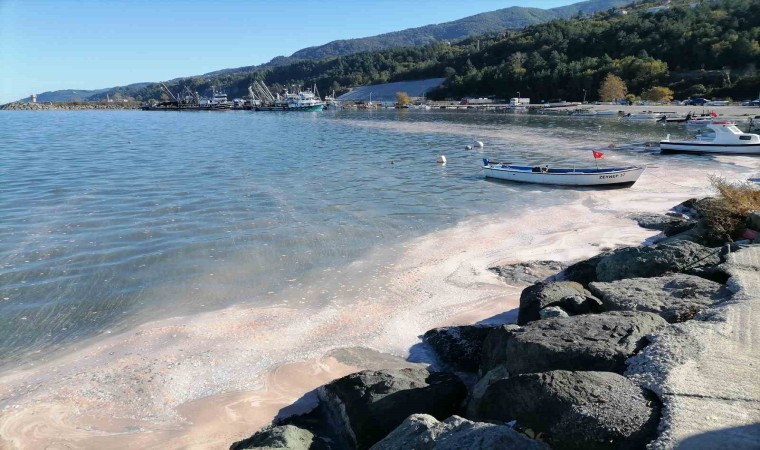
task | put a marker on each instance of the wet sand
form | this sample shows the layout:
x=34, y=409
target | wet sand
x=206, y=380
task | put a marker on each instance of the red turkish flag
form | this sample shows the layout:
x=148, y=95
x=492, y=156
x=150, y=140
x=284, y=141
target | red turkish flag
x=598, y=155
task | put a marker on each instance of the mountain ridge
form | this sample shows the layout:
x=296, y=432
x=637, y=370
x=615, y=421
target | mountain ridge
x=511, y=18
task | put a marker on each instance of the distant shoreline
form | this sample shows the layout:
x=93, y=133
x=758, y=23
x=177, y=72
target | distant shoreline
x=732, y=110
x=67, y=106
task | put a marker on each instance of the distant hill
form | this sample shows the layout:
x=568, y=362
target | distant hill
x=70, y=95
x=512, y=18
x=65, y=95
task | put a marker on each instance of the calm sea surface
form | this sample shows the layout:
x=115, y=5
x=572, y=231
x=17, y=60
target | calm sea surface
x=109, y=219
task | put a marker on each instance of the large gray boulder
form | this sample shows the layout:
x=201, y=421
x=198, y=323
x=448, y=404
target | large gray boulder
x=459, y=348
x=576, y=410
x=675, y=298
x=753, y=221
x=568, y=295
x=661, y=222
x=588, y=342
x=492, y=353
x=583, y=272
x=423, y=432
x=480, y=388
x=285, y=436
x=527, y=272
x=636, y=262
x=364, y=407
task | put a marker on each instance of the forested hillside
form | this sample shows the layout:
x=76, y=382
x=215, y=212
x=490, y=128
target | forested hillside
x=709, y=49
x=513, y=18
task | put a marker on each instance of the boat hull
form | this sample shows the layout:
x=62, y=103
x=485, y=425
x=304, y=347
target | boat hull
x=700, y=147
x=587, y=177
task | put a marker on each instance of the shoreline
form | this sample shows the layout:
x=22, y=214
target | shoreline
x=145, y=388
x=732, y=111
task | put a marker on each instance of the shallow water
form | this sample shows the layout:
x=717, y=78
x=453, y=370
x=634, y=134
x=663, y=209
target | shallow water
x=110, y=219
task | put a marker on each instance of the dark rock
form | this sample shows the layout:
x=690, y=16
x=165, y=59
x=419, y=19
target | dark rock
x=687, y=208
x=679, y=228
x=423, y=432
x=364, y=407
x=659, y=222
x=528, y=272
x=492, y=354
x=587, y=342
x=675, y=298
x=753, y=221
x=657, y=260
x=481, y=387
x=552, y=311
x=285, y=436
x=568, y=295
x=717, y=273
x=576, y=410
x=694, y=231
x=583, y=272
x=458, y=347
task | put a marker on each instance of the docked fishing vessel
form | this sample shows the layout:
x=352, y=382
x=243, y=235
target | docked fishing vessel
x=288, y=101
x=618, y=176
x=725, y=138
x=218, y=100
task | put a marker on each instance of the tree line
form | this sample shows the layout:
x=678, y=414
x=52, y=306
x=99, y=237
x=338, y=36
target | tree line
x=705, y=49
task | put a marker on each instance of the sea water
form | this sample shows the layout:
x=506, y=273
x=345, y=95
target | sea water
x=111, y=219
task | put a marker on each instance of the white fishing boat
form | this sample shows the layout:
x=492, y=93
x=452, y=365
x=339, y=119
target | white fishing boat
x=618, y=176
x=725, y=138
x=304, y=100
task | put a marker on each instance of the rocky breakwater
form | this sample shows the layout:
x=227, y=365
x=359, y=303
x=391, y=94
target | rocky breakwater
x=67, y=106
x=579, y=369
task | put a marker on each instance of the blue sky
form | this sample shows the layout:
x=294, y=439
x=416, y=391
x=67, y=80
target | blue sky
x=89, y=44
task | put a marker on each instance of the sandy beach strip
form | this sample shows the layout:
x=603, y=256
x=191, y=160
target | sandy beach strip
x=727, y=111
x=206, y=380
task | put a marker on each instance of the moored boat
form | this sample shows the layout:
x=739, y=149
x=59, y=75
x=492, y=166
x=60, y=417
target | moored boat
x=617, y=176
x=645, y=116
x=726, y=138
x=301, y=101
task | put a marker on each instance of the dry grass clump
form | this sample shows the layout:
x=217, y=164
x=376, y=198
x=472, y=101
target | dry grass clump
x=726, y=215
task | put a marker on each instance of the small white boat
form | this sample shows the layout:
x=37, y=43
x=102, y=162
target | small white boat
x=583, y=112
x=645, y=116
x=726, y=138
x=619, y=176
x=587, y=112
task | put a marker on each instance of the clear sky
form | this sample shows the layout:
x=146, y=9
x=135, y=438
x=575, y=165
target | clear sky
x=49, y=45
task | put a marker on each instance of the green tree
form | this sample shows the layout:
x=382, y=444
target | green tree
x=402, y=98
x=613, y=87
x=658, y=94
